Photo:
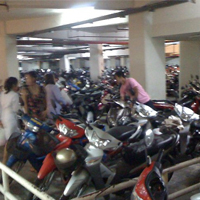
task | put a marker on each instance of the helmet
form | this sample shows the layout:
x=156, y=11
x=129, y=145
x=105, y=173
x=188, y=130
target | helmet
x=65, y=158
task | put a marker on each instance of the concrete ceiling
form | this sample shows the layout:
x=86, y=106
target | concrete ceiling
x=73, y=41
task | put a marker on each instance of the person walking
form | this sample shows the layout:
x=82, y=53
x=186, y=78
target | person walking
x=131, y=88
x=54, y=99
x=9, y=105
x=34, y=97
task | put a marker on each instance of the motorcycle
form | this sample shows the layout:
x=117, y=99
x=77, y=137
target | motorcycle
x=71, y=133
x=86, y=103
x=94, y=169
x=32, y=145
x=150, y=184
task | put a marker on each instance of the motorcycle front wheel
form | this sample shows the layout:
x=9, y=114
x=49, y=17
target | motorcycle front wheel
x=42, y=184
x=16, y=167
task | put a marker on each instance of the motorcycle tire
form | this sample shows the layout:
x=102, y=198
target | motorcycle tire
x=42, y=184
x=16, y=167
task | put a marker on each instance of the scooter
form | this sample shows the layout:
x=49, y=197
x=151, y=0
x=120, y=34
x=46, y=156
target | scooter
x=150, y=184
x=93, y=167
x=32, y=145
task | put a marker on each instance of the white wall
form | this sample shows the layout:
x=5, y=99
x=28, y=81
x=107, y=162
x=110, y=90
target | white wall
x=173, y=61
x=27, y=66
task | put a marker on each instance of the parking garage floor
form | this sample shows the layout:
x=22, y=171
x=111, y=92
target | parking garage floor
x=181, y=179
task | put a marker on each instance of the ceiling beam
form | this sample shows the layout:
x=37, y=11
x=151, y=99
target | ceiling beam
x=148, y=7
x=70, y=42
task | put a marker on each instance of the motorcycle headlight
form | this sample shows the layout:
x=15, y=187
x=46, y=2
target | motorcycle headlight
x=145, y=111
x=135, y=196
x=32, y=127
x=186, y=114
x=99, y=142
x=67, y=131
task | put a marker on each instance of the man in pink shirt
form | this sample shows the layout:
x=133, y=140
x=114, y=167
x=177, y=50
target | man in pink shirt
x=130, y=87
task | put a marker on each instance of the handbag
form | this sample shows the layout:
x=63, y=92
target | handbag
x=2, y=137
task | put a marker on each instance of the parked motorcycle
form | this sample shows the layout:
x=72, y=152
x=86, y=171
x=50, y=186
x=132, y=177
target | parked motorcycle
x=32, y=145
x=150, y=184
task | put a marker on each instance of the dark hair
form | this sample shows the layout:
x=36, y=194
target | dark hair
x=9, y=83
x=33, y=74
x=56, y=75
x=120, y=74
x=49, y=79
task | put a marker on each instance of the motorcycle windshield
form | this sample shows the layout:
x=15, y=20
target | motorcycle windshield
x=155, y=185
x=145, y=111
x=101, y=139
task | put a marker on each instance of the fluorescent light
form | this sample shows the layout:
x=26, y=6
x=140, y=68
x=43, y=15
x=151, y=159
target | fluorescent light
x=71, y=58
x=81, y=14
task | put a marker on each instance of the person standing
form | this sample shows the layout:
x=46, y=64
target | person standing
x=54, y=99
x=34, y=97
x=131, y=88
x=9, y=105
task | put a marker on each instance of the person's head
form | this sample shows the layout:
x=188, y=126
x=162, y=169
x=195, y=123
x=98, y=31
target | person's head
x=120, y=77
x=31, y=77
x=49, y=79
x=11, y=84
x=56, y=77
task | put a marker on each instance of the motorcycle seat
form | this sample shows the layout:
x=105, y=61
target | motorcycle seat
x=122, y=133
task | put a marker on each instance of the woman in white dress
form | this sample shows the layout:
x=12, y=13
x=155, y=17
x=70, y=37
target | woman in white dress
x=9, y=105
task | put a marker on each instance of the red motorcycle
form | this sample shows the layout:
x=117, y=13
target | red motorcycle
x=70, y=133
x=150, y=185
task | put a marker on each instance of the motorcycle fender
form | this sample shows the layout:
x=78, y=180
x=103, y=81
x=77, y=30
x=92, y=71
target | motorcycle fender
x=47, y=166
x=11, y=160
x=77, y=179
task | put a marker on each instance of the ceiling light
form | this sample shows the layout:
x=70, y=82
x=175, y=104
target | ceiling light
x=71, y=58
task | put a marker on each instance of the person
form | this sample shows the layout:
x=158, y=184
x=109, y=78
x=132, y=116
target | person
x=61, y=83
x=9, y=105
x=131, y=88
x=34, y=97
x=54, y=99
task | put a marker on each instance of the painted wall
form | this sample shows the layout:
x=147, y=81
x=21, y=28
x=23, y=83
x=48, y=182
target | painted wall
x=173, y=61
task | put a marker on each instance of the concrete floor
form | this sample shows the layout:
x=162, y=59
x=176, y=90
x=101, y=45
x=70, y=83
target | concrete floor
x=181, y=179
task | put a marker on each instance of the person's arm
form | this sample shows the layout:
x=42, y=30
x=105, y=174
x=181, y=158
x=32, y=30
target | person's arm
x=24, y=98
x=15, y=103
x=58, y=96
x=1, y=125
x=122, y=94
x=134, y=97
x=44, y=112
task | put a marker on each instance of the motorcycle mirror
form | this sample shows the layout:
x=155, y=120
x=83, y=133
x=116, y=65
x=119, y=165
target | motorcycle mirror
x=197, y=77
x=149, y=137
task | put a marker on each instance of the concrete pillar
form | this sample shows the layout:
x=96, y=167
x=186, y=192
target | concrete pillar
x=147, y=56
x=123, y=61
x=64, y=64
x=189, y=61
x=96, y=61
x=77, y=63
x=8, y=55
